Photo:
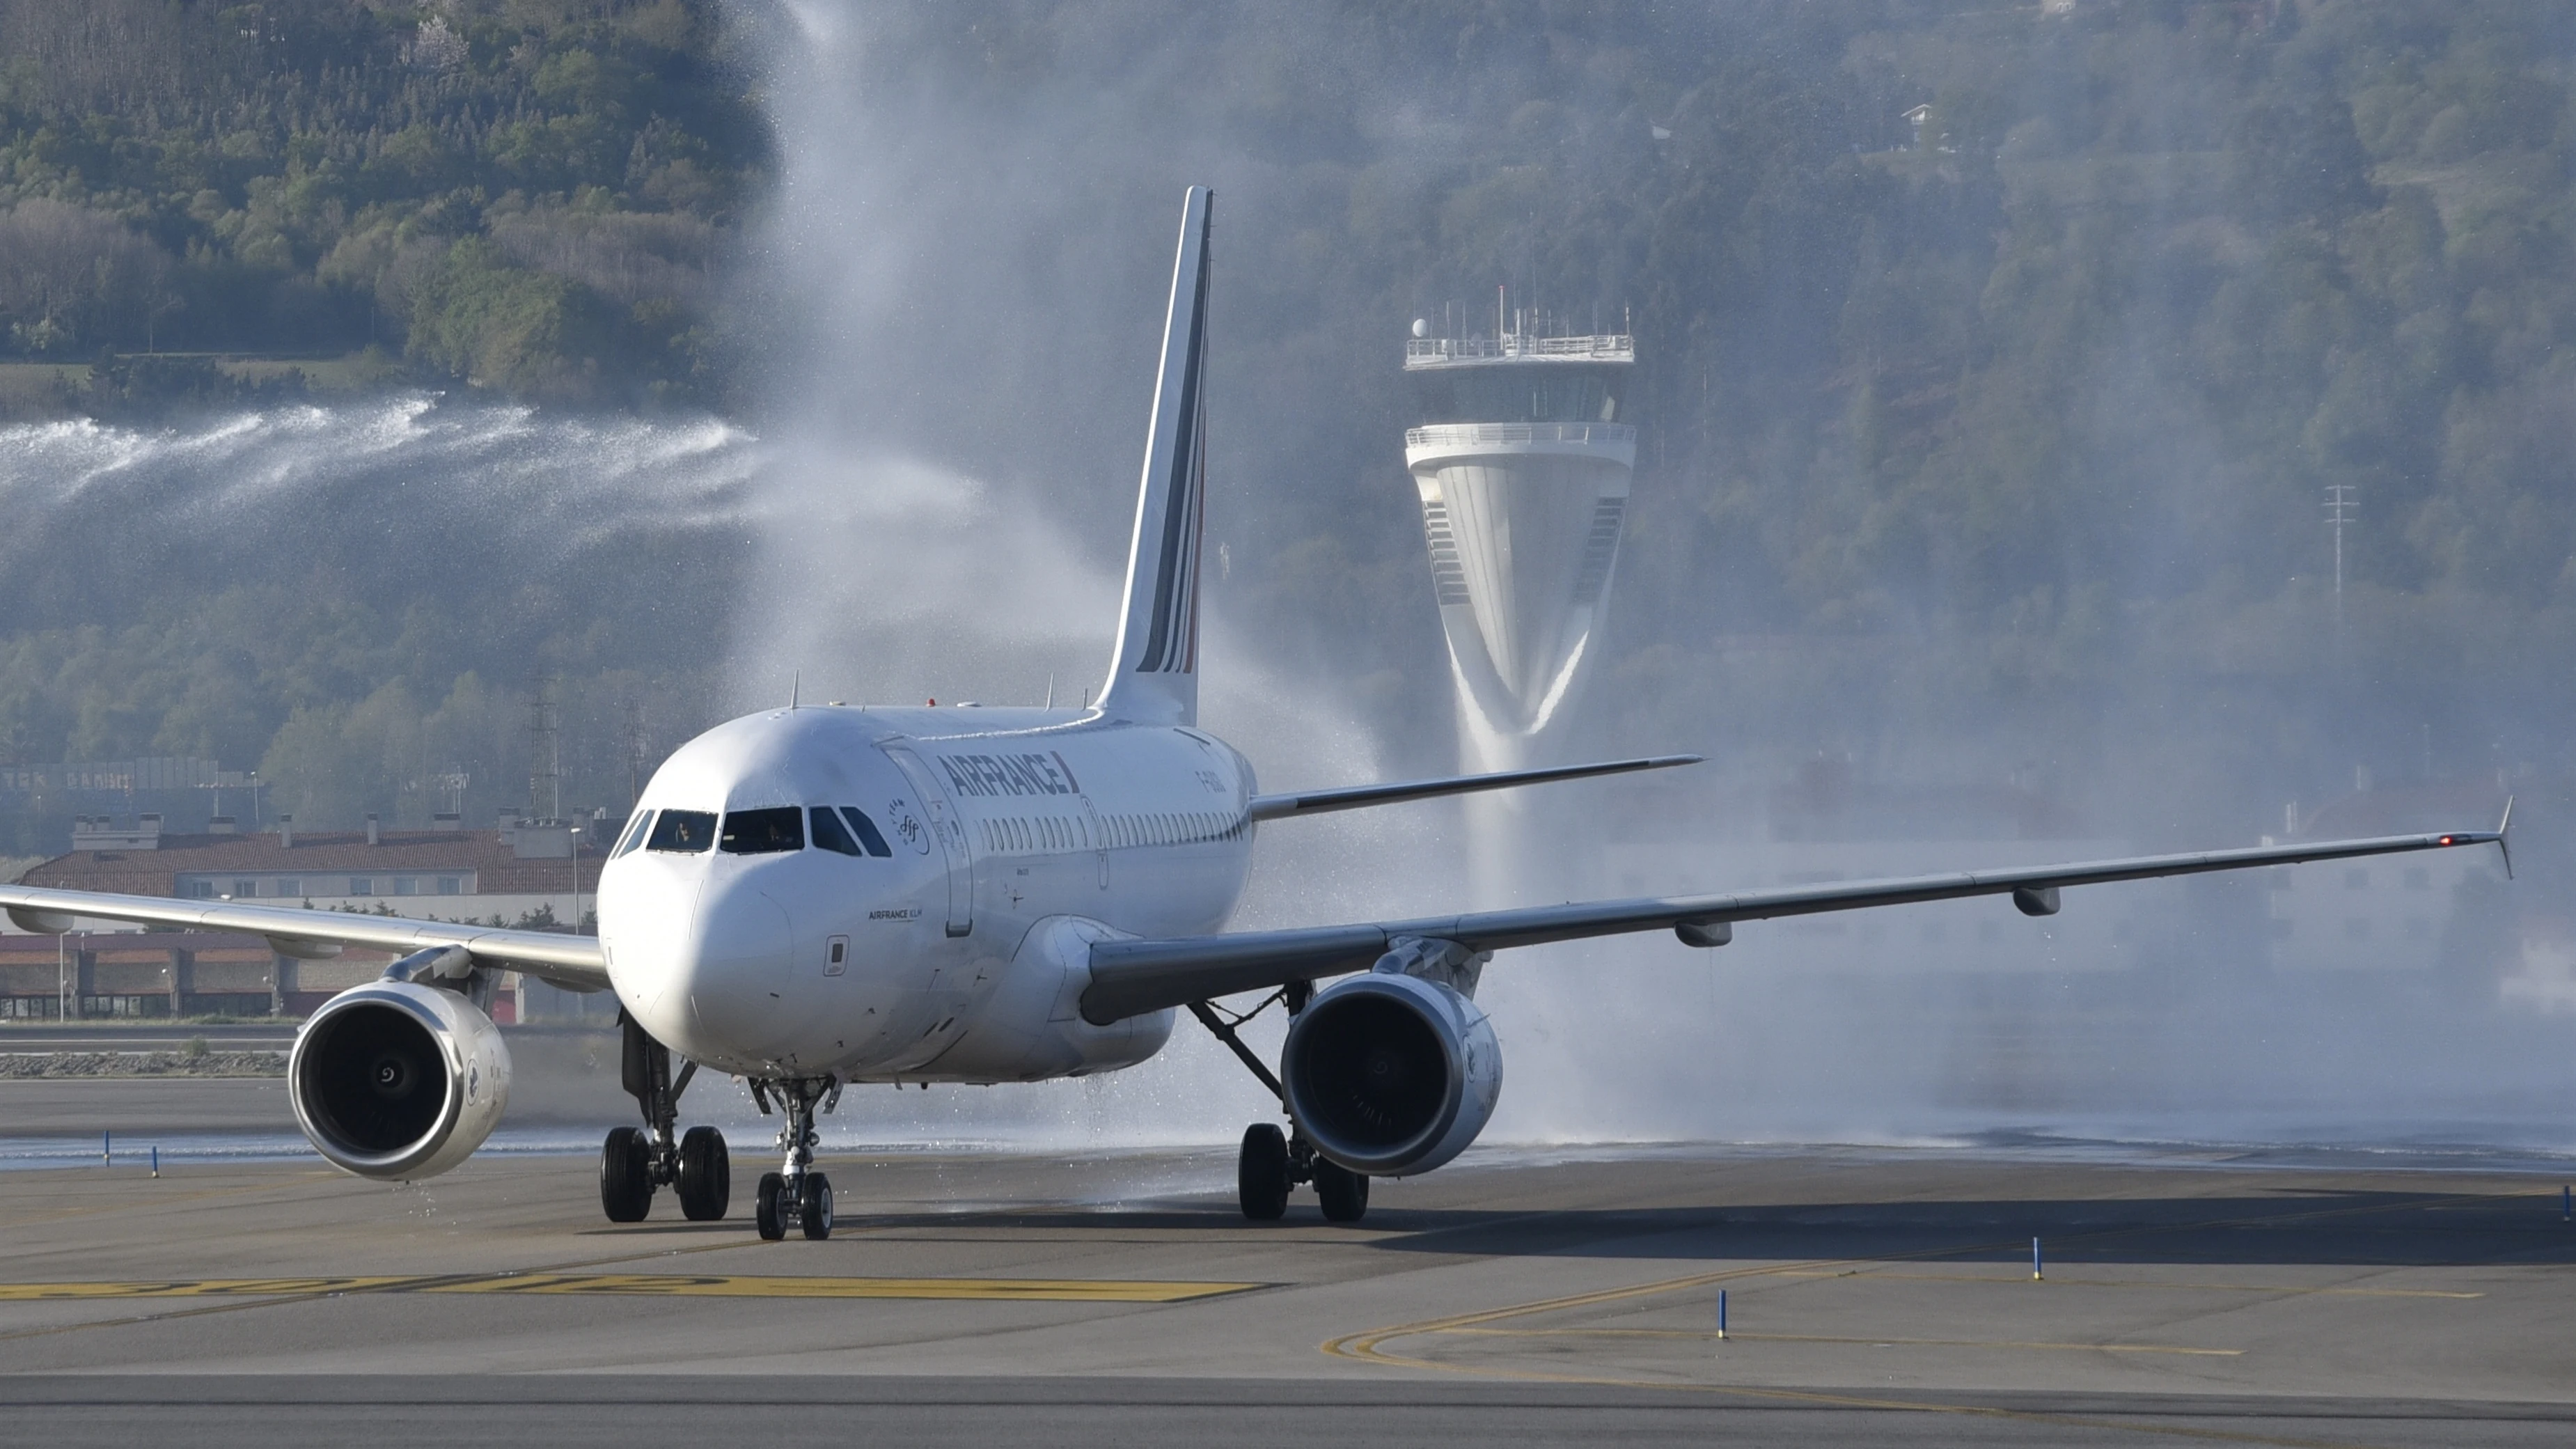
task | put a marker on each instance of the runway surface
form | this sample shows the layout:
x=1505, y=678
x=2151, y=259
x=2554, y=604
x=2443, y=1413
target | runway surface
x=1525, y=1297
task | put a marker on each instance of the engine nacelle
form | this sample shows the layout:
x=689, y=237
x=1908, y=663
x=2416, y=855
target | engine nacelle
x=1390, y=1074
x=396, y=1081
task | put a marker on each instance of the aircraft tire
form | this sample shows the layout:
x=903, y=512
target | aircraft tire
x=815, y=1217
x=764, y=1213
x=706, y=1175
x=625, y=1176
x=1261, y=1173
x=1343, y=1192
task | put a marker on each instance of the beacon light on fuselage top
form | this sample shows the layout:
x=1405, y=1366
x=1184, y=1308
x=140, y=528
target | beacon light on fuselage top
x=809, y=898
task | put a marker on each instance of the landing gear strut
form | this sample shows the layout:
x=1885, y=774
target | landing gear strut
x=795, y=1194
x=632, y=1164
x=1272, y=1161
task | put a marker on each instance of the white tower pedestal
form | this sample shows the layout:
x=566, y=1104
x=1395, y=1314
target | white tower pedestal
x=1523, y=520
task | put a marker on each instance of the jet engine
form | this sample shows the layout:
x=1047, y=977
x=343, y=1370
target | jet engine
x=396, y=1080
x=1391, y=1074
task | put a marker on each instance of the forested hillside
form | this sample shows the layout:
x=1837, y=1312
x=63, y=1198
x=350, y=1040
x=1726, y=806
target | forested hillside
x=535, y=197
x=1995, y=359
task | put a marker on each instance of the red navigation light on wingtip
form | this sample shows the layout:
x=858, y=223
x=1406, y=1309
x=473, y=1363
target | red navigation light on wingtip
x=2449, y=840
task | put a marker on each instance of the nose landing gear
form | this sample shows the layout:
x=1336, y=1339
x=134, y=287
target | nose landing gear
x=632, y=1164
x=796, y=1195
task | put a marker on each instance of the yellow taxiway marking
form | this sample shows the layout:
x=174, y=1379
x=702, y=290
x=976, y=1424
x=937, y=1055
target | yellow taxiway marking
x=664, y=1285
x=1711, y=1334
x=712, y=1285
x=2124, y=1283
x=193, y=1288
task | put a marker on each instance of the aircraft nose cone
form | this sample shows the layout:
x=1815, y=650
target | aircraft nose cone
x=737, y=981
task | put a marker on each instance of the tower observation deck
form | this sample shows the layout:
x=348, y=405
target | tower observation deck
x=1522, y=468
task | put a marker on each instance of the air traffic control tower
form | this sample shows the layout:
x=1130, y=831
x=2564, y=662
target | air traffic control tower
x=1522, y=466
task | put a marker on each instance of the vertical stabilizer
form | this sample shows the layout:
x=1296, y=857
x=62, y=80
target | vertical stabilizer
x=1155, y=674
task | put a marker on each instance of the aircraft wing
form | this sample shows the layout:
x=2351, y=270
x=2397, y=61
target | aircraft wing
x=574, y=963
x=1129, y=978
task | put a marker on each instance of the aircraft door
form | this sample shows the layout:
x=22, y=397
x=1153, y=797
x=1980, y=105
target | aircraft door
x=948, y=830
x=1099, y=837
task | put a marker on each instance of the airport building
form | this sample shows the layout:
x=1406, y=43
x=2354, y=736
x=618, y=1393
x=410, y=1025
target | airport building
x=42, y=805
x=160, y=974
x=529, y=873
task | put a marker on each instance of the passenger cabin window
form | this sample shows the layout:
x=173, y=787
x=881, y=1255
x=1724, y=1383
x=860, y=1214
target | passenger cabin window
x=830, y=834
x=867, y=830
x=634, y=835
x=762, y=832
x=683, y=832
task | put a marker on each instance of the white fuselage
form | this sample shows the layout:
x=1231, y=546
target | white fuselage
x=1011, y=837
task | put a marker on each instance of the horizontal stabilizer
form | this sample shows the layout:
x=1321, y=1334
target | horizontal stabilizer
x=1316, y=802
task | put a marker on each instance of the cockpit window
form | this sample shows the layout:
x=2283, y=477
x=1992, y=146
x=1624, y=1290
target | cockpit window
x=831, y=834
x=762, y=832
x=634, y=835
x=685, y=832
x=867, y=830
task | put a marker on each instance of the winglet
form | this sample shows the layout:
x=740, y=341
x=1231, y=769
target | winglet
x=2504, y=837
x=1154, y=677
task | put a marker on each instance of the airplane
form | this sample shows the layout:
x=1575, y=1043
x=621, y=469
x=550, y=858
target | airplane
x=810, y=898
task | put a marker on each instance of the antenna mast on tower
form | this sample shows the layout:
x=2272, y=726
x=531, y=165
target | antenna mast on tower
x=2339, y=511
x=545, y=752
x=634, y=752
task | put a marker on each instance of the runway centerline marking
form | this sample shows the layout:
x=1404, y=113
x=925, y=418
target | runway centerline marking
x=652, y=1285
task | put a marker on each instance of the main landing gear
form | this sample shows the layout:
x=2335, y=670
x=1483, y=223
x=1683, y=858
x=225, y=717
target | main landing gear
x=1272, y=1161
x=796, y=1195
x=632, y=1164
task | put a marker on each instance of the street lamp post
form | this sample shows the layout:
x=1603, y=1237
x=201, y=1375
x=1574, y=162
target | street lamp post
x=576, y=880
